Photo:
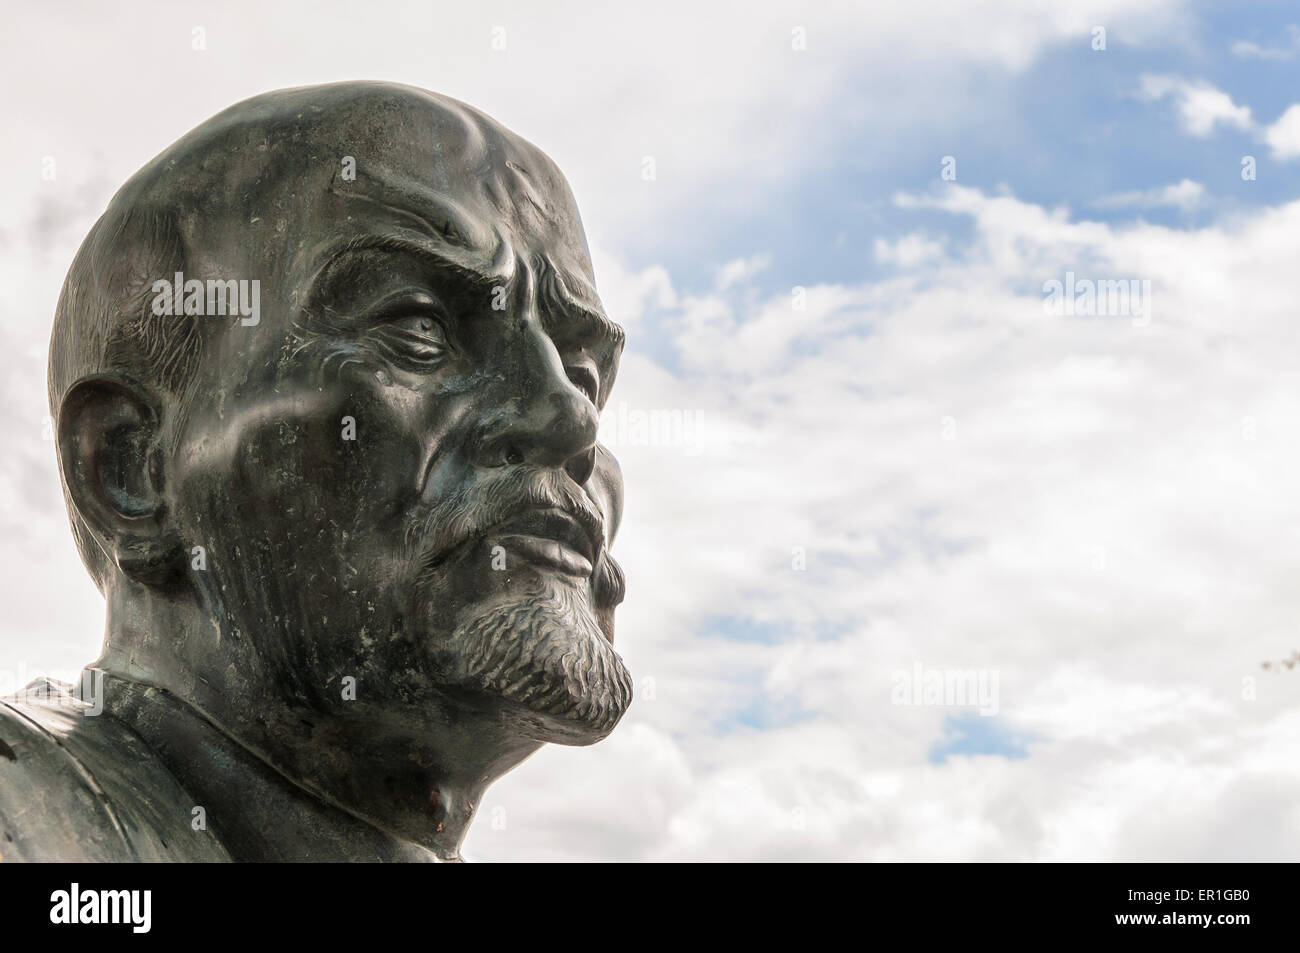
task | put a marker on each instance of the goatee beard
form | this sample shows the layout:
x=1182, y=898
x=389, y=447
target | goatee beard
x=545, y=652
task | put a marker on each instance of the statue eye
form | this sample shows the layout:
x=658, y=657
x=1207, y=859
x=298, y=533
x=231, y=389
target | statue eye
x=414, y=338
x=420, y=324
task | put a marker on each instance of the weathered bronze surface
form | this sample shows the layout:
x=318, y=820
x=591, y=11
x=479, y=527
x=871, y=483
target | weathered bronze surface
x=326, y=377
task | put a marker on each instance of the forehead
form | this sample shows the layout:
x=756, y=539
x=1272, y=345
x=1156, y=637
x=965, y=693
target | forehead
x=298, y=172
x=491, y=197
x=465, y=191
x=283, y=184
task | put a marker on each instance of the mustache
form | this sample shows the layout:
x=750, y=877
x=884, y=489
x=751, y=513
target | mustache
x=474, y=509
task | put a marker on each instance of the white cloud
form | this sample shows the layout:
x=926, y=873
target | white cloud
x=1248, y=49
x=1102, y=530
x=716, y=94
x=1200, y=105
x=1201, y=109
x=1185, y=195
x=740, y=269
x=909, y=251
x=1284, y=135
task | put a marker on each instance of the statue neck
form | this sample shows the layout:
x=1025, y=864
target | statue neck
x=376, y=776
x=253, y=810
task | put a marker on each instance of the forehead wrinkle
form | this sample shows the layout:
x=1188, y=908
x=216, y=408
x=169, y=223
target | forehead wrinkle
x=440, y=216
x=430, y=253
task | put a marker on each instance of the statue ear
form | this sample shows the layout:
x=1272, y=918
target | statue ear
x=108, y=449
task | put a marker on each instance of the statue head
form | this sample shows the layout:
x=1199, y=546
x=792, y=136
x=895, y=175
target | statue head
x=326, y=377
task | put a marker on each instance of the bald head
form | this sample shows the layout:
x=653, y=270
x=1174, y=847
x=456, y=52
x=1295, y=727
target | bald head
x=289, y=189
x=273, y=168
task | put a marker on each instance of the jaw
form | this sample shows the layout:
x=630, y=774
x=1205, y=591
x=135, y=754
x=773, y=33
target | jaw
x=545, y=728
x=428, y=731
x=541, y=658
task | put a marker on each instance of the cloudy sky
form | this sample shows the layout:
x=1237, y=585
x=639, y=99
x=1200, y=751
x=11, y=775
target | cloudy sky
x=862, y=454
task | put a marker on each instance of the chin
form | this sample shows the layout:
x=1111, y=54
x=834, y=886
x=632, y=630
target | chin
x=544, y=658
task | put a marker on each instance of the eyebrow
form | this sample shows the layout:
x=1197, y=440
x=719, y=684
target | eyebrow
x=562, y=311
x=427, y=253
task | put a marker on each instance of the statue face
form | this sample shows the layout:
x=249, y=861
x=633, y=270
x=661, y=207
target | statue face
x=395, y=473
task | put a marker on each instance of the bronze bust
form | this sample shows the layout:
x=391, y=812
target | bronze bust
x=326, y=377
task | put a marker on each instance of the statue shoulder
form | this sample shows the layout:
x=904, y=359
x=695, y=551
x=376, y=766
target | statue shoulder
x=76, y=785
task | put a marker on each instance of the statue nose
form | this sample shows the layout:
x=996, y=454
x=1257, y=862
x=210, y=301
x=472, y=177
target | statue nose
x=546, y=421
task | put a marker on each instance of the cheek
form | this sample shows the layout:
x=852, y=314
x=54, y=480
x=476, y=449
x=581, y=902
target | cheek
x=320, y=478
